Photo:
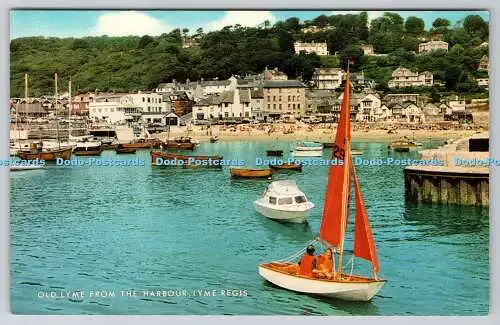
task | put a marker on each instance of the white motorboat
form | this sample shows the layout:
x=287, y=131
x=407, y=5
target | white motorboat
x=283, y=201
x=310, y=146
x=310, y=153
x=308, y=149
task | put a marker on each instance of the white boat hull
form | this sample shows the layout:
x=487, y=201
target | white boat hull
x=351, y=291
x=307, y=153
x=24, y=167
x=283, y=215
x=309, y=148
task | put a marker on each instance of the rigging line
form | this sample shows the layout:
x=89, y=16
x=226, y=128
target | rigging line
x=298, y=253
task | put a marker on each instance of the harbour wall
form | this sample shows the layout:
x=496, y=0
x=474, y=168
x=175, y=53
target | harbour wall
x=447, y=186
x=455, y=182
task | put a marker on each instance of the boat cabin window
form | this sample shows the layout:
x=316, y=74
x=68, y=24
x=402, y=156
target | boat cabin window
x=272, y=200
x=285, y=200
x=300, y=199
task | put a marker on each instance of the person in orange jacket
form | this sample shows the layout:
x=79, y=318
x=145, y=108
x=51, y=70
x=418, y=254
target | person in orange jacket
x=308, y=262
x=325, y=267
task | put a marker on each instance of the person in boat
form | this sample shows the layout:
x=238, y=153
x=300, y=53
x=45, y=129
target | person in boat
x=324, y=267
x=308, y=262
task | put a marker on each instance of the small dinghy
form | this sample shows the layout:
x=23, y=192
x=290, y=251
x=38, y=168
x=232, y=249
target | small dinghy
x=284, y=201
x=250, y=173
x=285, y=166
x=275, y=153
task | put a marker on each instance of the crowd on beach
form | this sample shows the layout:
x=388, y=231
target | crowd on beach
x=324, y=131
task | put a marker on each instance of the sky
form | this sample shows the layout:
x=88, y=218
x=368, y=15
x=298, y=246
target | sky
x=80, y=23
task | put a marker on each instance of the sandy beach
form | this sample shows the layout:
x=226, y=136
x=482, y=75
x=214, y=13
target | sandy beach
x=323, y=133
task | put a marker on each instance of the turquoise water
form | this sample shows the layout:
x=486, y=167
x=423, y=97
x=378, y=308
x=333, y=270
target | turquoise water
x=139, y=229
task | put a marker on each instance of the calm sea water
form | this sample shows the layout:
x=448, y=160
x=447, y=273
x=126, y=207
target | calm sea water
x=146, y=228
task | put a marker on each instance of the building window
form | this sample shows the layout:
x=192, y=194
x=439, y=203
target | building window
x=226, y=114
x=247, y=114
x=298, y=106
x=293, y=98
x=274, y=98
x=289, y=97
x=226, y=105
x=280, y=98
x=288, y=105
x=268, y=106
x=149, y=100
x=293, y=106
x=280, y=106
x=143, y=99
x=274, y=106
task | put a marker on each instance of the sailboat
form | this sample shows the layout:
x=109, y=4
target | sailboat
x=18, y=146
x=52, y=154
x=341, y=285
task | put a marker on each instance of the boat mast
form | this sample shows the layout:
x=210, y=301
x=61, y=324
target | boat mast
x=69, y=110
x=57, y=117
x=345, y=208
x=25, y=109
x=346, y=182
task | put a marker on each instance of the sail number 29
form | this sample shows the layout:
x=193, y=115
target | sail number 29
x=338, y=152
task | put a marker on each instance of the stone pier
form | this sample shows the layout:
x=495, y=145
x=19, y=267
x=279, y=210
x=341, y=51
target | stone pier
x=434, y=184
x=462, y=179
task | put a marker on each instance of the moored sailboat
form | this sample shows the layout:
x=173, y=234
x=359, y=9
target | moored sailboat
x=339, y=284
x=37, y=150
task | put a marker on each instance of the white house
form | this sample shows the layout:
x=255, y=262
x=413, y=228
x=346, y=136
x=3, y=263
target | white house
x=228, y=105
x=402, y=77
x=121, y=108
x=413, y=113
x=364, y=106
x=483, y=82
x=327, y=78
x=381, y=113
x=432, y=46
x=456, y=104
x=431, y=109
x=318, y=48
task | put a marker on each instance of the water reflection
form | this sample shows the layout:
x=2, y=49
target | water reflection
x=298, y=232
x=447, y=219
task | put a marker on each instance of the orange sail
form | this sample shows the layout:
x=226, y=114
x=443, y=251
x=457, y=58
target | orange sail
x=364, y=245
x=337, y=191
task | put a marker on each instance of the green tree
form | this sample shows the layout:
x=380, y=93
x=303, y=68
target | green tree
x=321, y=21
x=364, y=32
x=353, y=54
x=440, y=22
x=145, y=41
x=414, y=25
x=475, y=25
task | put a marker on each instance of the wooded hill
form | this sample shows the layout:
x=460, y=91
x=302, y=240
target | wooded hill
x=134, y=63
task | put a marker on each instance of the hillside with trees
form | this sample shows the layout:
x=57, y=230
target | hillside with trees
x=140, y=63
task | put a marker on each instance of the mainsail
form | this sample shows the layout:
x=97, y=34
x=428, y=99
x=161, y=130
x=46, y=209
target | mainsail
x=335, y=211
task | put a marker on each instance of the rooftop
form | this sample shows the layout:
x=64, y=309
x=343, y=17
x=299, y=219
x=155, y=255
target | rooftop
x=284, y=84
